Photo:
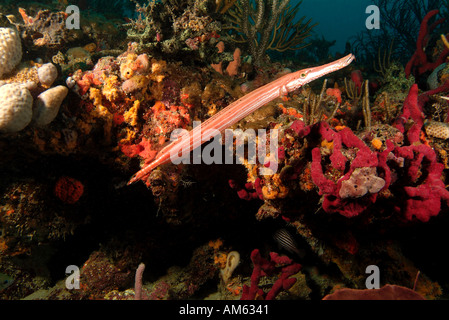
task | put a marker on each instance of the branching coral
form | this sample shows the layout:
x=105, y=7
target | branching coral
x=353, y=171
x=144, y=28
x=383, y=60
x=268, y=25
x=223, y=5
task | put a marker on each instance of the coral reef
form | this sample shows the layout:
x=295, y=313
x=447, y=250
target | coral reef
x=362, y=157
x=46, y=32
x=183, y=30
x=18, y=109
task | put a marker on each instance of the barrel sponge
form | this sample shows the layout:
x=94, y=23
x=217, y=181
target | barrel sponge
x=10, y=50
x=16, y=107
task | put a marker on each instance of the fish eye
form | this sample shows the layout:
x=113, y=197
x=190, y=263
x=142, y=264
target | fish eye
x=303, y=75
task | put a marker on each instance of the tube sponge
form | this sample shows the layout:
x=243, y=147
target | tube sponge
x=47, y=105
x=10, y=50
x=232, y=262
x=16, y=107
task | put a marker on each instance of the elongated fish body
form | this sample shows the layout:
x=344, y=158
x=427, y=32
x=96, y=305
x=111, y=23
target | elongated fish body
x=240, y=109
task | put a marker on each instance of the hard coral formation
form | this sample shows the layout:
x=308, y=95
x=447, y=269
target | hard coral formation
x=15, y=107
x=437, y=129
x=99, y=276
x=17, y=110
x=28, y=221
x=10, y=49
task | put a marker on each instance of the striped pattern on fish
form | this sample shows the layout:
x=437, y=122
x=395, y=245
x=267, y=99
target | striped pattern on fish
x=286, y=241
x=240, y=109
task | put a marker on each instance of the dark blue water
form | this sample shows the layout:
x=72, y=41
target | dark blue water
x=337, y=19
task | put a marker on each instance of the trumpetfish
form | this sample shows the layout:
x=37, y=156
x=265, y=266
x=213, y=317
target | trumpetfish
x=239, y=109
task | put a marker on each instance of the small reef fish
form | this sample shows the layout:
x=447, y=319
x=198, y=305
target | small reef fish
x=5, y=281
x=286, y=241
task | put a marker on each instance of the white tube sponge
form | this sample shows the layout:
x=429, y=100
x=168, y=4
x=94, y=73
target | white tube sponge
x=16, y=107
x=232, y=262
x=47, y=104
x=10, y=50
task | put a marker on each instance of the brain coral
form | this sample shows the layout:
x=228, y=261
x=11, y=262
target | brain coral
x=437, y=129
x=16, y=107
x=10, y=50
